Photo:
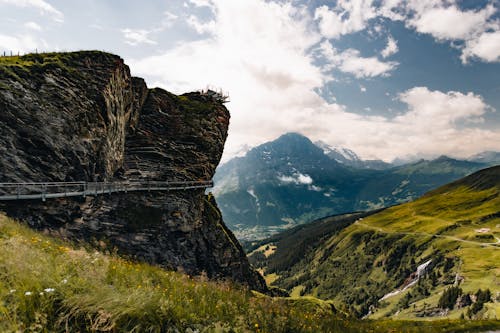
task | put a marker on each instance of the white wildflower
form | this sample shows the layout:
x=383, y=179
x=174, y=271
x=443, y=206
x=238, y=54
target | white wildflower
x=12, y=291
x=28, y=293
x=49, y=290
x=64, y=281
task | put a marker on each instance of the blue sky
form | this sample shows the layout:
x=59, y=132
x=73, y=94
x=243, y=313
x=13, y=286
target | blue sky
x=385, y=78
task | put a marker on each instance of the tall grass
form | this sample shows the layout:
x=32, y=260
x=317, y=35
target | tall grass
x=47, y=285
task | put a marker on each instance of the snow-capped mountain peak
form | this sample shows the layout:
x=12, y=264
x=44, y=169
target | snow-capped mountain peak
x=340, y=154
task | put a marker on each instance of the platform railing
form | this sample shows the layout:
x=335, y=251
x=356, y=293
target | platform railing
x=47, y=190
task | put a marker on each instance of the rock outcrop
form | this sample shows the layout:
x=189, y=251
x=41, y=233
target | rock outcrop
x=82, y=117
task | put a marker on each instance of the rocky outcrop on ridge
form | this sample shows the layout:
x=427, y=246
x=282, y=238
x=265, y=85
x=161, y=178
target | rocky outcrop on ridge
x=81, y=117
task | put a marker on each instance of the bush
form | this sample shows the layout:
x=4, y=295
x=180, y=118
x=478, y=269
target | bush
x=449, y=298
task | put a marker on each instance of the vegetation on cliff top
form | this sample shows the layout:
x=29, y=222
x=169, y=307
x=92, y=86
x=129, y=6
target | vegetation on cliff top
x=47, y=285
x=26, y=67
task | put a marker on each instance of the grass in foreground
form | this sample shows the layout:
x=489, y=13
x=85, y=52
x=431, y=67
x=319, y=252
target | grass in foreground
x=47, y=285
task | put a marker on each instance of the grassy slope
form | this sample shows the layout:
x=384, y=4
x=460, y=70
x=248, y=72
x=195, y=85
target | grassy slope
x=49, y=286
x=451, y=218
x=374, y=256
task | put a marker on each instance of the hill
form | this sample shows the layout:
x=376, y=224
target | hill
x=47, y=285
x=399, y=262
x=290, y=181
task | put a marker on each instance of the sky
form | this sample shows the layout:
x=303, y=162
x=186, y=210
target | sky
x=386, y=78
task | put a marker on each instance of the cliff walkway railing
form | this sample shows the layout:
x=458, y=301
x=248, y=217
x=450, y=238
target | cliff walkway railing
x=27, y=191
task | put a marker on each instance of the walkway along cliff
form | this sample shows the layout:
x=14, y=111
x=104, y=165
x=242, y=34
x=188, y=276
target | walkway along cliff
x=81, y=117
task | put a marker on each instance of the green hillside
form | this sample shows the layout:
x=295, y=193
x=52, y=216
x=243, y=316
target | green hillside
x=47, y=285
x=291, y=181
x=454, y=231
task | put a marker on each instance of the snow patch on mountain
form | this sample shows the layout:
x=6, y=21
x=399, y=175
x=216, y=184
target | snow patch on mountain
x=339, y=154
x=257, y=202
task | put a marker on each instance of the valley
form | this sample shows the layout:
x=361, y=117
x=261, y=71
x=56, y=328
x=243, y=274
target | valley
x=250, y=166
x=291, y=181
x=398, y=262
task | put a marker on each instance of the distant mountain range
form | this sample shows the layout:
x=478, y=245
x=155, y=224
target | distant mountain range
x=347, y=157
x=291, y=180
x=488, y=157
x=400, y=261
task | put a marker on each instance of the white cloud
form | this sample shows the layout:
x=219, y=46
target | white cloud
x=202, y=3
x=451, y=23
x=137, y=36
x=391, y=47
x=169, y=17
x=21, y=43
x=315, y=188
x=201, y=27
x=264, y=60
x=32, y=26
x=362, y=88
x=298, y=179
x=346, y=17
x=353, y=63
x=350, y=61
x=444, y=20
x=486, y=47
x=443, y=109
x=392, y=9
x=43, y=6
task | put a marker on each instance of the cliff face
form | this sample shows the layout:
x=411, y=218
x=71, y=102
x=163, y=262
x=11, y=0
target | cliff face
x=82, y=117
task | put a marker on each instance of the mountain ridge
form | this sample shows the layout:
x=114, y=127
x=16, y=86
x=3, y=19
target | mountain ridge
x=369, y=262
x=291, y=181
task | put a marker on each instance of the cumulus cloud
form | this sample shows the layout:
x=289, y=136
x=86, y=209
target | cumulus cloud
x=485, y=47
x=44, y=7
x=201, y=27
x=135, y=37
x=391, y=47
x=201, y=3
x=21, y=43
x=443, y=109
x=298, y=179
x=442, y=19
x=346, y=17
x=450, y=23
x=445, y=21
x=350, y=61
x=264, y=60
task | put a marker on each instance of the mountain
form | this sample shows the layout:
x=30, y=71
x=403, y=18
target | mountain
x=399, y=262
x=81, y=117
x=487, y=157
x=339, y=154
x=347, y=157
x=291, y=180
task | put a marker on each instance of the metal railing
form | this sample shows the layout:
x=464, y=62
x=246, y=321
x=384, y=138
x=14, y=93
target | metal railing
x=47, y=190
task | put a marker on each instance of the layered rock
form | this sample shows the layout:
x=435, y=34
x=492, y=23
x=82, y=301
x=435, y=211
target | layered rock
x=82, y=117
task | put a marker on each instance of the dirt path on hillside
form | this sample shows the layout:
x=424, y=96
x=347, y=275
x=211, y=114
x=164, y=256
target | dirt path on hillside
x=492, y=245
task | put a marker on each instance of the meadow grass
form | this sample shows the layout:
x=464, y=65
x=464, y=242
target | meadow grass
x=48, y=285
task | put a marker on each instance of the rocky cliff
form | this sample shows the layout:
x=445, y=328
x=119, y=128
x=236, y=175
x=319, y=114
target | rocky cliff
x=82, y=117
